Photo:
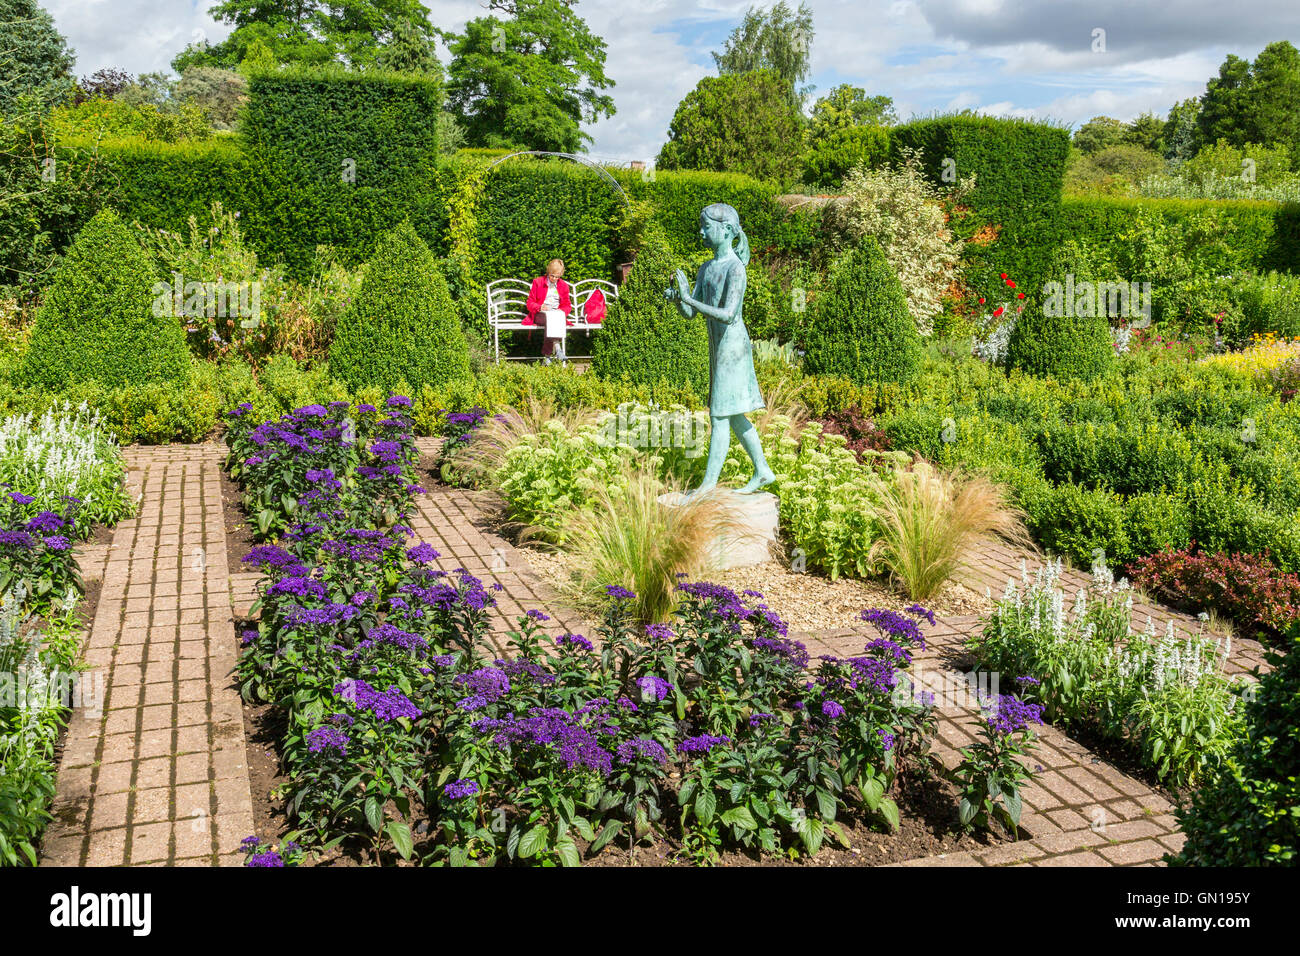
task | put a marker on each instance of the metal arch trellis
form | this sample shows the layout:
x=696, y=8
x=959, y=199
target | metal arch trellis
x=604, y=173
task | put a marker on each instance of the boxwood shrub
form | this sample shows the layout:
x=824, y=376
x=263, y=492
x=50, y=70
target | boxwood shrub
x=860, y=328
x=97, y=321
x=645, y=340
x=1063, y=347
x=402, y=326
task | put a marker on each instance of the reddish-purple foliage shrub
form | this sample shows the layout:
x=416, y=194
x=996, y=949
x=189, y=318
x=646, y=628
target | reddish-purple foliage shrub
x=1245, y=587
x=858, y=430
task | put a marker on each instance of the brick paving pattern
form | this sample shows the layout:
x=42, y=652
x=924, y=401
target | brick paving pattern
x=157, y=774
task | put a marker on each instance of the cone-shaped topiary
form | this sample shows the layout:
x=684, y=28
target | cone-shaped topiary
x=402, y=326
x=1249, y=815
x=1064, y=347
x=98, y=322
x=860, y=327
x=645, y=339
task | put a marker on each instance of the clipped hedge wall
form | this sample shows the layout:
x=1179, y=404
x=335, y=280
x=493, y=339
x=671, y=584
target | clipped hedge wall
x=1017, y=164
x=1263, y=236
x=533, y=212
x=340, y=157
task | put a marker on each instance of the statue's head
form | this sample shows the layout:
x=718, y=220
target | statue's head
x=719, y=222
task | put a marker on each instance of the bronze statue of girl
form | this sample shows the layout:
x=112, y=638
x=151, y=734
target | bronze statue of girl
x=718, y=295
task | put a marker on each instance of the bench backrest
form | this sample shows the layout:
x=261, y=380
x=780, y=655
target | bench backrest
x=508, y=298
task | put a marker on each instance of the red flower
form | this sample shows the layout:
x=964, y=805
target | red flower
x=998, y=311
x=1020, y=295
x=1002, y=275
x=1011, y=284
x=981, y=301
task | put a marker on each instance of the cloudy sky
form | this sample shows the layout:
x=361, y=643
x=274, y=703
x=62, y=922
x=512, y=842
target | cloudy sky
x=1040, y=58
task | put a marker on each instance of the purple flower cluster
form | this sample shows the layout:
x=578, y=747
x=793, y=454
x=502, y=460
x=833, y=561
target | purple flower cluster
x=659, y=632
x=328, y=738
x=654, y=688
x=630, y=750
x=791, y=652
x=619, y=593
x=460, y=789
x=557, y=733
x=897, y=627
x=487, y=684
x=701, y=744
x=574, y=641
x=390, y=634
x=1008, y=714
x=387, y=705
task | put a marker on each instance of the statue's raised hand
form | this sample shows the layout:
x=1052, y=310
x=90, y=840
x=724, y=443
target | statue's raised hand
x=683, y=286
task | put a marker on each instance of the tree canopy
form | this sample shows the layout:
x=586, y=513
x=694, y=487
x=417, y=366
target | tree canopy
x=737, y=122
x=529, y=78
x=778, y=39
x=34, y=57
x=356, y=32
x=1254, y=102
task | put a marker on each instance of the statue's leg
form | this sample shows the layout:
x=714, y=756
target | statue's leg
x=719, y=440
x=748, y=435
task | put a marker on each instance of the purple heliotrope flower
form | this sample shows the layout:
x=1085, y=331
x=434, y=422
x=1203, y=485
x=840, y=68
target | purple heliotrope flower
x=654, y=688
x=897, y=627
x=265, y=858
x=1008, y=714
x=46, y=522
x=619, y=593
x=574, y=640
x=328, y=738
x=538, y=616
x=388, y=705
x=557, y=732
x=629, y=750
x=460, y=789
x=659, y=632
x=18, y=498
x=57, y=542
x=487, y=684
x=887, y=739
x=832, y=709
x=422, y=553
x=701, y=744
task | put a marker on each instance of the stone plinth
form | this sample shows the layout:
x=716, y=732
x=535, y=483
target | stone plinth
x=753, y=538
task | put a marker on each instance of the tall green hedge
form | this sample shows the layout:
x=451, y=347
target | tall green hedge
x=645, y=340
x=97, y=321
x=534, y=211
x=340, y=157
x=402, y=327
x=1018, y=164
x=860, y=327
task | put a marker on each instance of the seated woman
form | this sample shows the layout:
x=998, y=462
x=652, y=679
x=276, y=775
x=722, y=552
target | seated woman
x=549, y=299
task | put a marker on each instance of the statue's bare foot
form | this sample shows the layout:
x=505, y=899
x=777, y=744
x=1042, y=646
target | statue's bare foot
x=702, y=490
x=761, y=479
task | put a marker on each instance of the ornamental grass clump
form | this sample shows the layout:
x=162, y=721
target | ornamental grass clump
x=930, y=520
x=632, y=538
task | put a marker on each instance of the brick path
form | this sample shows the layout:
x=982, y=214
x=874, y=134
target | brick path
x=157, y=775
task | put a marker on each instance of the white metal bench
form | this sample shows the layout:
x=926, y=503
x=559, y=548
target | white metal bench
x=507, y=304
